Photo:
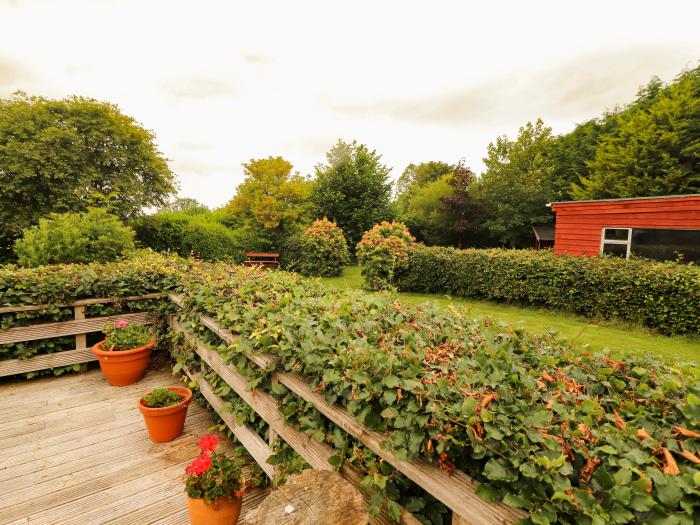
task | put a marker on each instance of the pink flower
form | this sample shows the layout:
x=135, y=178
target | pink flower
x=122, y=323
x=208, y=443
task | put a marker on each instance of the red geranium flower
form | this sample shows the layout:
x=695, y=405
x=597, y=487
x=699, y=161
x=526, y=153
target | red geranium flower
x=208, y=443
x=199, y=466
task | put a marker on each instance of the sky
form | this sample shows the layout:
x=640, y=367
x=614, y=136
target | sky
x=221, y=82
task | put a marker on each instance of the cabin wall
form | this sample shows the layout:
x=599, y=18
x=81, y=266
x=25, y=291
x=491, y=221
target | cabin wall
x=579, y=225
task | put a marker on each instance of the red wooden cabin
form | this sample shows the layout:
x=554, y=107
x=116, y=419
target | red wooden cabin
x=653, y=227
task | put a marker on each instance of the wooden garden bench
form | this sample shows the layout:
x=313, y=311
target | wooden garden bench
x=266, y=260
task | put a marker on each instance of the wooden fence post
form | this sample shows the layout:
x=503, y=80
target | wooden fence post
x=80, y=339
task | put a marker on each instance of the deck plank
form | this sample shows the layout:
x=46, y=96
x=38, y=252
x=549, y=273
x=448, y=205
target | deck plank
x=75, y=450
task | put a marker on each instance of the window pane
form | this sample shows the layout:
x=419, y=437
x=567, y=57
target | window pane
x=664, y=245
x=616, y=234
x=618, y=250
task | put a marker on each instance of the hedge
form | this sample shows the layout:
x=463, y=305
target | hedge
x=144, y=273
x=568, y=436
x=198, y=235
x=662, y=296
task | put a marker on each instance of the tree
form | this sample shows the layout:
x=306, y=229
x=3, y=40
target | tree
x=462, y=211
x=66, y=155
x=517, y=185
x=654, y=148
x=271, y=197
x=185, y=205
x=425, y=213
x=352, y=189
x=416, y=176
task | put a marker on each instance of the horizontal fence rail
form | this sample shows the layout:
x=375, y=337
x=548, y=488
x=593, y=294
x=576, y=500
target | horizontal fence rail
x=79, y=327
x=456, y=491
x=314, y=453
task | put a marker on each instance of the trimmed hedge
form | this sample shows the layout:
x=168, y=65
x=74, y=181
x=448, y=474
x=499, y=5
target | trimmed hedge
x=663, y=296
x=568, y=436
x=145, y=273
x=198, y=235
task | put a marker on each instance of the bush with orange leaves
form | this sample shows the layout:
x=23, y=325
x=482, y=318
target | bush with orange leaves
x=382, y=252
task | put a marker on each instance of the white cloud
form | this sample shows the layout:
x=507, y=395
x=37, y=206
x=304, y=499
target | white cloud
x=222, y=82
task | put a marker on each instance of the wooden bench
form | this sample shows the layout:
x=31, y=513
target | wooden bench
x=266, y=260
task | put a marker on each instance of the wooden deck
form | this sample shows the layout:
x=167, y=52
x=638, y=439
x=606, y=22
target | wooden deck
x=74, y=450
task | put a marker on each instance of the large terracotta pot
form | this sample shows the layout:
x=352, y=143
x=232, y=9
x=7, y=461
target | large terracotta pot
x=222, y=511
x=165, y=424
x=123, y=367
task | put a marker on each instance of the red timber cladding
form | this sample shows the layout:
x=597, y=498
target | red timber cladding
x=579, y=225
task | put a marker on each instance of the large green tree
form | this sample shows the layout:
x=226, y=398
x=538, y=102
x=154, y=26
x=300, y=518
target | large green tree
x=271, y=197
x=517, y=185
x=654, y=147
x=416, y=176
x=352, y=189
x=70, y=154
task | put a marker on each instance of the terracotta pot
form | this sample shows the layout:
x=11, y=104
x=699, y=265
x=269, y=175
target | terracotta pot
x=222, y=511
x=123, y=367
x=165, y=424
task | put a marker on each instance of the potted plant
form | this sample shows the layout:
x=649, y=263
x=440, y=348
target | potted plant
x=214, y=486
x=164, y=411
x=124, y=353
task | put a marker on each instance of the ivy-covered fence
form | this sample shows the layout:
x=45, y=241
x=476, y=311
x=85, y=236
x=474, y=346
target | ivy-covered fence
x=51, y=315
x=425, y=409
x=662, y=296
x=565, y=436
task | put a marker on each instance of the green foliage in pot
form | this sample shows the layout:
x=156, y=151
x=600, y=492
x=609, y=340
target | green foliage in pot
x=382, y=252
x=123, y=335
x=161, y=398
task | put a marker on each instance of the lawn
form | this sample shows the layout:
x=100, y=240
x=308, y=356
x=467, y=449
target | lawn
x=618, y=337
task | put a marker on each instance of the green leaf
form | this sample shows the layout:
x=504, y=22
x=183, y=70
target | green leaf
x=486, y=491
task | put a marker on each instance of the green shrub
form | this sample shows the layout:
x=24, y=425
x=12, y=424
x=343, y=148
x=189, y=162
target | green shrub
x=382, y=252
x=663, y=296
x=320, y=250
x=199, y=235
x=91, y=236
x=570, y=437
x=161, y=398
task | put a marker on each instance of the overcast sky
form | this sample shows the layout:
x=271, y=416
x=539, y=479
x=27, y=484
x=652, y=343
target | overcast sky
x=222, y=82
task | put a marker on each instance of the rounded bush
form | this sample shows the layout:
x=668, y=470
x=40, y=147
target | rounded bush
x=320, y=250
x=383, y=251
x=91, y=236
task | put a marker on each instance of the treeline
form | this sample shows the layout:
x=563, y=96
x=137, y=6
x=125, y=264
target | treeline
x=647, y=148
x=74, y=154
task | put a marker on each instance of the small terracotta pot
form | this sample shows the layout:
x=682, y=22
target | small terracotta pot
x=123, y=367
x=165, y=424
x=222, y=511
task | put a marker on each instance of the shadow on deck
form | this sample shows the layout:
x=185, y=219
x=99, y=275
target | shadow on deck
x=75, y=450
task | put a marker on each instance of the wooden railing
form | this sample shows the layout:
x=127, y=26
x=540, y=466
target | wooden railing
x=79, y=327
x=456, y=491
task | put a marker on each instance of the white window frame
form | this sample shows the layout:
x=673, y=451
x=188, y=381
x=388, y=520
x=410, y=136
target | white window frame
x=627, y=243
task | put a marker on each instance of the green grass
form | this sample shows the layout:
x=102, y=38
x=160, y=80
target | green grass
x=618, y=337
